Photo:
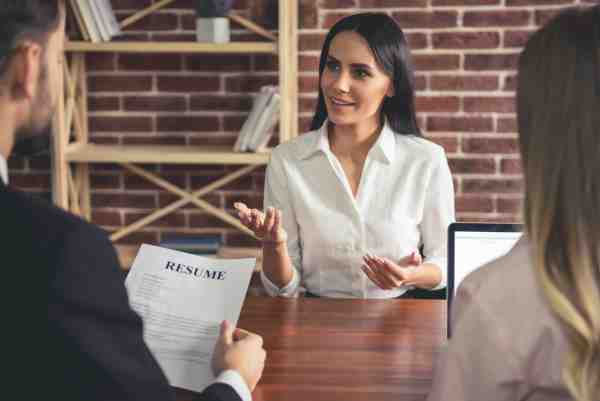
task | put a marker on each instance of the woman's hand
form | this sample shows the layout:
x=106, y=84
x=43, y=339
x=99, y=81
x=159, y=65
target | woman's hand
x=277, y=265
x=267, y=227
x=388, y=275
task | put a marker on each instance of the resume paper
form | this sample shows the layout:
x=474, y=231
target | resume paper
x=182, y=299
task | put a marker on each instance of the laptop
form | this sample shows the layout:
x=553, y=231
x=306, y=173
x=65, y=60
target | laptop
x=472, y=245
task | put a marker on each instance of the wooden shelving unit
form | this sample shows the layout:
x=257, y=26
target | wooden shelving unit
x=92, y=153
x=72, y=151
x=172, y=47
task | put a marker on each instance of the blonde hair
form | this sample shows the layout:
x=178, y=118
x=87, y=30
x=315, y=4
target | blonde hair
x=558, y=100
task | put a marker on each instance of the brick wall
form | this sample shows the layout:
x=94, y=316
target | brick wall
x=465, y=53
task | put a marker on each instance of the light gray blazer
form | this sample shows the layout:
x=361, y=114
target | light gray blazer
x=506, y=344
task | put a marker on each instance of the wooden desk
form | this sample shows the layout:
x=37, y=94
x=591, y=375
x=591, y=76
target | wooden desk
x=328, y=350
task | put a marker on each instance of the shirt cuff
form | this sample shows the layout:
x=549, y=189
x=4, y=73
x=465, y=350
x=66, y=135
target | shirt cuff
x=235, y=380
x=442, y=264
x=288, y=291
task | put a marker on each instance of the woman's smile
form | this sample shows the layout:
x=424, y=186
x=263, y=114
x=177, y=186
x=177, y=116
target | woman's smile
x=340, y=103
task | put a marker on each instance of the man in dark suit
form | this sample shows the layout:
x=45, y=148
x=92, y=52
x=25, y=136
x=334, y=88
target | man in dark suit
x=68, y=330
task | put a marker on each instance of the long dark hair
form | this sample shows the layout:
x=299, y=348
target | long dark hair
x=390, y=49
x=26, y=20
x=558, y=110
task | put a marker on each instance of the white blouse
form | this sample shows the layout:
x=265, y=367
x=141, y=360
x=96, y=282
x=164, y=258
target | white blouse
x=405, y=198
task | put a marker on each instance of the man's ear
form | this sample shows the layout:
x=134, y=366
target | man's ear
x=26, y=70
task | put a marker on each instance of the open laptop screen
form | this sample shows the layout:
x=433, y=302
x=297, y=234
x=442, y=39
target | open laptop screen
x=472, y=245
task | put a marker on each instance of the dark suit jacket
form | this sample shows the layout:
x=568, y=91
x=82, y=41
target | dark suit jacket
x=68, y=330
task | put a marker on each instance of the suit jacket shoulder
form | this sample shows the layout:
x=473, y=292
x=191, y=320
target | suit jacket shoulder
x=73, y=332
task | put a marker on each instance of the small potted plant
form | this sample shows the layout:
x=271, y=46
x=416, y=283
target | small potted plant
x=212, y=24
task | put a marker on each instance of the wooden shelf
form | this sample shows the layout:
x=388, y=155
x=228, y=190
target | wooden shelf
x=92, y=153
x=172, y=47
x=73, y=152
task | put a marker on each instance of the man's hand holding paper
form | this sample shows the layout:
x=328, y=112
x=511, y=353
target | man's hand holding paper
x=241, y=351
x=182, y=300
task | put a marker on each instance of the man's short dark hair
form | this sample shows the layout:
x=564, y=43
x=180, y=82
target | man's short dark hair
x=26, y=20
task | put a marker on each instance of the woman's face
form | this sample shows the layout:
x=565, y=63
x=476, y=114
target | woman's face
x=353, y=84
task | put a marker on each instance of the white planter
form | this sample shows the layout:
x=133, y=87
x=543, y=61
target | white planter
x=213, y=30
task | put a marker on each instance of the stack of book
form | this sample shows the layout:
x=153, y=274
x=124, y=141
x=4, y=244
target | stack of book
x=96, y=19
x=206, y=245
x=258, y=127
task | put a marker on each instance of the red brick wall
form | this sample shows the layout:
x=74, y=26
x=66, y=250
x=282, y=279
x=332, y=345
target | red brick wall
x=465, y=53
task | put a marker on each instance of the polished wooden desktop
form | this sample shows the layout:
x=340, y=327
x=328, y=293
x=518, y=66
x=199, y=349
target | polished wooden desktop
x=328, y=350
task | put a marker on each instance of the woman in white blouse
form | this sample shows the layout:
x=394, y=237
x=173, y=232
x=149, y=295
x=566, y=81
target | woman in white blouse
x=349, y=204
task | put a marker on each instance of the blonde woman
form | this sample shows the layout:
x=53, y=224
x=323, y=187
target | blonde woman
x=527, y=326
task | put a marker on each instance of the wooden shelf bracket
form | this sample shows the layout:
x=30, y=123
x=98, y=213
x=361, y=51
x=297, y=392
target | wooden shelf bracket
x=186, y=197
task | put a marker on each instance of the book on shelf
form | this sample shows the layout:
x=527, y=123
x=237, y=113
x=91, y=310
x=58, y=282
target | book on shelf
x=95, y=7
x=264, y=126
x=88, y=26
x=258, y=127
x=96, y=19
x=85, y=34
x=111, y=19
x=197, y=245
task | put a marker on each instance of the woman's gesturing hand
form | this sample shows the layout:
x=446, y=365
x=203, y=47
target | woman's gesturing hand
x=388, y=275
x=267, y=227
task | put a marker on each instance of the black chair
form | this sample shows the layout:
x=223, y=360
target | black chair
x=418, y=293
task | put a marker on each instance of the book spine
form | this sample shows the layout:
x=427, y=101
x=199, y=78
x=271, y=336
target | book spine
x=264, y=123
x=103, y=14
x=263, y=140
x=111, y=18
x=88, y=19
x=77, y=13
x=97, y=15
x=249, y=126
x=261, y=145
